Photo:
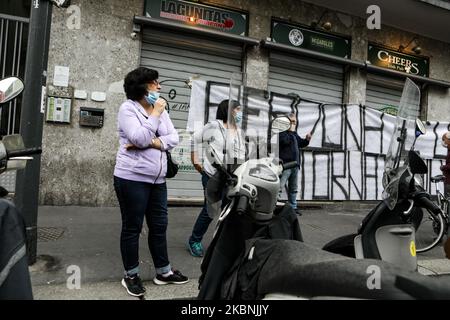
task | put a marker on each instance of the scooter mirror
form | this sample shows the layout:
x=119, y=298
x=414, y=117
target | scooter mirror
x=420, y=128
x=280, y=124
x=416, y=163
x=10, y=88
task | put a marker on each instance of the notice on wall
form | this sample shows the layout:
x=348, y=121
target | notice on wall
x=61, y=76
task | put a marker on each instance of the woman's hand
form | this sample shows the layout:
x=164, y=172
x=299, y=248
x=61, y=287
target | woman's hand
x=156, y=143
x=158, y=107
x=198, y=167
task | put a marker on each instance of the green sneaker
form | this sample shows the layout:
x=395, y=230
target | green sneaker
x=195, y=248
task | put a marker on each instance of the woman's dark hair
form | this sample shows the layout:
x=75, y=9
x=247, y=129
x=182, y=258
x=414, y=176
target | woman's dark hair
x=222, y=109
x=135, y=84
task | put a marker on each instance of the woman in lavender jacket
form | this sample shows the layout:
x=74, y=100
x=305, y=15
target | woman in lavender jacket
x=145, y=132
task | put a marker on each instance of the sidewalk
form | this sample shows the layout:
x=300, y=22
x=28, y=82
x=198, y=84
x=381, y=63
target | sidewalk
x=88, y=238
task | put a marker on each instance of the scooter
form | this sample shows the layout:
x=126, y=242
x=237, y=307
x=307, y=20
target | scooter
x=388, y=232
x=251, y=210
x=15, y=281
x=247, y=259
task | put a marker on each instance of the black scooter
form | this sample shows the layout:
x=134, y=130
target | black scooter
x=15, y=281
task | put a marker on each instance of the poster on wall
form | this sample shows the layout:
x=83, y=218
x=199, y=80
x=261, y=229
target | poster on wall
x=346, y=155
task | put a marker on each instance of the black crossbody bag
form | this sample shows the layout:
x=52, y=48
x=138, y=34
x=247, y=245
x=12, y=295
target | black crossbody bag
x=172, y=166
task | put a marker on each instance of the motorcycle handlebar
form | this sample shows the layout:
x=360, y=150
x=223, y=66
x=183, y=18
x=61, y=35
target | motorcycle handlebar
x=24, y=152
x=289, y=165
x=426, y=203
x=242, y=205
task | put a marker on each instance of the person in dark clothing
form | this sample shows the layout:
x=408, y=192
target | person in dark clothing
x=290, y=144
x=446, y=167
x=15, y=281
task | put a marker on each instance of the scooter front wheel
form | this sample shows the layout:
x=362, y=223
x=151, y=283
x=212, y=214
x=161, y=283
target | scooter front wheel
x=429, y=232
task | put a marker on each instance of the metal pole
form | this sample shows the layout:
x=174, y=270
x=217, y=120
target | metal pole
x=31, y=119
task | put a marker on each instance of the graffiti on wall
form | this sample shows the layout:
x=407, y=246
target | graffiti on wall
x=345, y=157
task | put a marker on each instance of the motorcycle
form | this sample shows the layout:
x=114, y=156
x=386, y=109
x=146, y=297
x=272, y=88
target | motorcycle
x=15, y=281
x=388, y=232
x=257, y=250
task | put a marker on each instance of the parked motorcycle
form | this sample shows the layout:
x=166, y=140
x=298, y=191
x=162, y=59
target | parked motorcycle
x=14, y=275
x=388, y=231
x=257, y=251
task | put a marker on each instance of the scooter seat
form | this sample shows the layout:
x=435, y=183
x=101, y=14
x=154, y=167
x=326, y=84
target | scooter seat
x=298, y=269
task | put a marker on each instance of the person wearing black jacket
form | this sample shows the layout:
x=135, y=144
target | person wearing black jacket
x=15, y=282
x=290, y=144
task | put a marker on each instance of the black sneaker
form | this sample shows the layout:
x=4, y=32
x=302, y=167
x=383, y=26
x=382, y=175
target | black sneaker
x=134, y=286
x=175, y=278
x=298, y=212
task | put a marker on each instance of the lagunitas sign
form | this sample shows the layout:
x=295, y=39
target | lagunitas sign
x=198, y=15
x=310, y=39
x=382, y=57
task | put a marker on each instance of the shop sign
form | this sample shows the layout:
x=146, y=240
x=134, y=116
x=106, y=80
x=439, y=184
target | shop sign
x=310, y=39
x=390, y=59
x=198, y=15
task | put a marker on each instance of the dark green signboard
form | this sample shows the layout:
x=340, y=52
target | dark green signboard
x=310, y=39
x=382, y=57
x=198, y=15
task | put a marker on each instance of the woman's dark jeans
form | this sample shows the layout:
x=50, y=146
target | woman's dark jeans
x=136, y=200
x=203, y=220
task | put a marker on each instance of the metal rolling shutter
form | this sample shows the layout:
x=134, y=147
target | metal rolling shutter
x=179, y=56
x=310, y=78
x=382, y=92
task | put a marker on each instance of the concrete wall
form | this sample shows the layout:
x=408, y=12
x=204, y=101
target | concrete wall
x=77, y=163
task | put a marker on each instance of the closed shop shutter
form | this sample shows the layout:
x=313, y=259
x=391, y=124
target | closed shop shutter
x=180, y=56
x=310, y=78
x=383, y=92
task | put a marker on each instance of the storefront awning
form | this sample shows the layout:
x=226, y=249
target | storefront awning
x=354, y=63
x=398, y=74
x=189, y=29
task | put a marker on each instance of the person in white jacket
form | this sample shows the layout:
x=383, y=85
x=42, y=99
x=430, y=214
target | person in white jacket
x=225, y=137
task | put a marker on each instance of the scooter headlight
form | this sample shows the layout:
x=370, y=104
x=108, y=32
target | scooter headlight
x=263, y=172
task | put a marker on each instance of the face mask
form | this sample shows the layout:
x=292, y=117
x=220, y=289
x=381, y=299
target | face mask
x=238, y=117
x=152, y=96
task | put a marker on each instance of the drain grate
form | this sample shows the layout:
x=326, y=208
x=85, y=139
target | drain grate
x=46, y=234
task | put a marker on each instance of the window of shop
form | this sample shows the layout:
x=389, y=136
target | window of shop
x=383, y=93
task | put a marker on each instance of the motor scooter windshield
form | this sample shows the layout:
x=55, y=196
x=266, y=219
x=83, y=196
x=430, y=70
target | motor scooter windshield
x=255, y=120
x=396, y=163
